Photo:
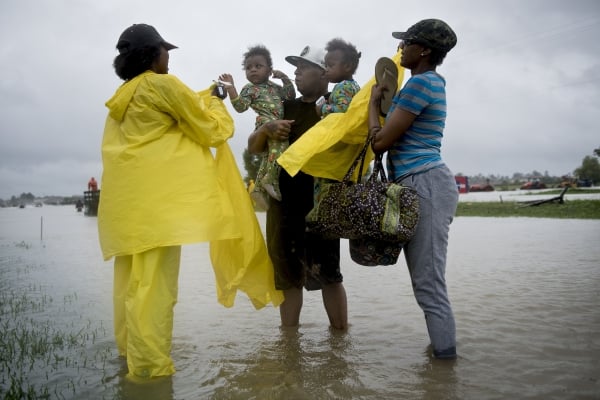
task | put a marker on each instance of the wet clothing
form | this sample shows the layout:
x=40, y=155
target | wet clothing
x=144, y=295
x=300, y=259
x=159, y=183
x=414, y=160
x=426, y=253
x=163, y=187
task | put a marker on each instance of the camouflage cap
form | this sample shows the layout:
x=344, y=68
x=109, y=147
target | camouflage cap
x=432, y=33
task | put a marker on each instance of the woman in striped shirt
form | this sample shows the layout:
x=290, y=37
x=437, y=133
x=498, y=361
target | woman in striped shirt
x=412, y=136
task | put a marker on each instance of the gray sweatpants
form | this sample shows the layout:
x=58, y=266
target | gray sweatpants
x=426, y=253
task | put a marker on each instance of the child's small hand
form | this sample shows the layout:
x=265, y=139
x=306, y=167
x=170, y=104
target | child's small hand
x=226, y=78
x=279, y=75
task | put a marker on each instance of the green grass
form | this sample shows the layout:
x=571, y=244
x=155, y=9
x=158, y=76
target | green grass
x=35, y=348
x=574, y=209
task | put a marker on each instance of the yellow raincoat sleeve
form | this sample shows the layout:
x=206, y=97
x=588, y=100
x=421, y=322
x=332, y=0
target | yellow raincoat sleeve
x=200, y=116
x=328, y=149
x=242, y=263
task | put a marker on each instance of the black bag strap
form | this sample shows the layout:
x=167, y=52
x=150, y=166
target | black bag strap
x=360, y=157
x=377, y=170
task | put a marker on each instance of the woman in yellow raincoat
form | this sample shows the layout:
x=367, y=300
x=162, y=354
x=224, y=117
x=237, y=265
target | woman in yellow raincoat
x=161, y=188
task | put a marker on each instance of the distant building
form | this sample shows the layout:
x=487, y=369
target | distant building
x=462, y=183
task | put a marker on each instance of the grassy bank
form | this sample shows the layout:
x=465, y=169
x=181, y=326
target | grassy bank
x=577, y=209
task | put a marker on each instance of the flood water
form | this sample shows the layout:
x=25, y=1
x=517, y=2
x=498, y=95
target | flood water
x=525, y=292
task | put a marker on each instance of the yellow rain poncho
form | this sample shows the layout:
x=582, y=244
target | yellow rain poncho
x=328, y=148
x=248, y=250
x=162, y=185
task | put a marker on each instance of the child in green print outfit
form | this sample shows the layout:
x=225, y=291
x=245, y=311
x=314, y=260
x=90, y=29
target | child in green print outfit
x=266, y=99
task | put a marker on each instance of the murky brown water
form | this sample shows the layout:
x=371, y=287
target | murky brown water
x=526, y=296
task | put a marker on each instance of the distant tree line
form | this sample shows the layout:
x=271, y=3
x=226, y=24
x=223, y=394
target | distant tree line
x=588, y=172
x=26, y=199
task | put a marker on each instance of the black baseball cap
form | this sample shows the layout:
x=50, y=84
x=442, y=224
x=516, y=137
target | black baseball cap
x=141, y=35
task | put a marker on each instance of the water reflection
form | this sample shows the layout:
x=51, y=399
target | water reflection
x=437, y=379
x=293, y=366
x=158, y=388
x=119, y=386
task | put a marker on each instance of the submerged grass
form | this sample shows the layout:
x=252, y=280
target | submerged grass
x=574, y=209
x=34, y=347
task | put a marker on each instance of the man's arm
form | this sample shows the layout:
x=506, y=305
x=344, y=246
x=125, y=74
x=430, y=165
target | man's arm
x=276, y=130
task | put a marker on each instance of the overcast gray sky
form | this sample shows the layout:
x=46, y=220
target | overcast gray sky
x=523, y=82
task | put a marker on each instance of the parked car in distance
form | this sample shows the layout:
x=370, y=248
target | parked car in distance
x=486, y=187
x=584, y=183
x=533, y=185
x=575, y=182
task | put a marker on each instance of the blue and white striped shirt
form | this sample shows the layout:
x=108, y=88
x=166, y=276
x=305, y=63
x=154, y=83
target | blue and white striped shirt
x=418, y=150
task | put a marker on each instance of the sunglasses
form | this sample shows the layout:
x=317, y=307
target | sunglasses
x=408, y=42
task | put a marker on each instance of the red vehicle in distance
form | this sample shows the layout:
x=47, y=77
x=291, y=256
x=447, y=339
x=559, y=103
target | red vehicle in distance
x=486, y=187
x=534, y=184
